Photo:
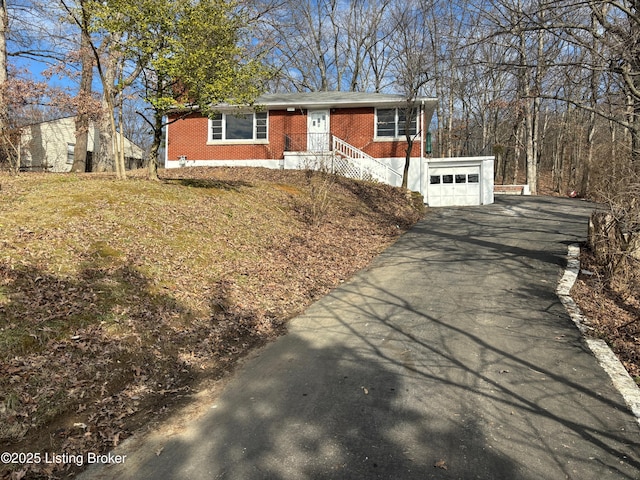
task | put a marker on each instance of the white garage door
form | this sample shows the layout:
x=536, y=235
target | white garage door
x=447, y=186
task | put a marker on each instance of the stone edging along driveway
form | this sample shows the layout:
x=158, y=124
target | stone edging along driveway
x=605, y=356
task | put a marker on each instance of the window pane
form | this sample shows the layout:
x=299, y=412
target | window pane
x=386, y=126
x=261, y=125
x=216, y=127
x=434, y=179
x=402, y=115
x=70, y=152
x=447, y=178
x=473, y=178
x=461, y=178
x=239, y=127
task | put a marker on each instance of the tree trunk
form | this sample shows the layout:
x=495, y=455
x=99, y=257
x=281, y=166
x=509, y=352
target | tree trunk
x=121, y=166
x=497, y=151
x=517, y=147
x=558, y=154
x=588, y=160
x=82, y=114
x=405, y=171
x=634, y=130
x=530, y=150
x=114, y=140
x=449, y=135
x=109, y=158
x=614, y=149
x=530, y=108
x=4, y=20
x=104, y=161
x=155, y=146
x=504, y=167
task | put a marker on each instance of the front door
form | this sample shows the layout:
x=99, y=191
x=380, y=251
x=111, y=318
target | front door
x=318, y=131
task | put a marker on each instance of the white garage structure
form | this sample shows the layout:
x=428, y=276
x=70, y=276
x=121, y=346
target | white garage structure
x=457, y=181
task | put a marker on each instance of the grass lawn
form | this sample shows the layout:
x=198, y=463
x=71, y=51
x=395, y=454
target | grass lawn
x=118, y=298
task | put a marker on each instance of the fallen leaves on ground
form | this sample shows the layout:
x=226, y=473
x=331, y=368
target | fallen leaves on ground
x=613, y=316
x=118, y=297
x=442, y=464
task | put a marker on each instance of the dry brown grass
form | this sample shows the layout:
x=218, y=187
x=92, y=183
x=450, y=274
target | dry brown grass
x=118, y=297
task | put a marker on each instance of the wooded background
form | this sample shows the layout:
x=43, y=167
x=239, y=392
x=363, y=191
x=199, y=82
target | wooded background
x=551, y=88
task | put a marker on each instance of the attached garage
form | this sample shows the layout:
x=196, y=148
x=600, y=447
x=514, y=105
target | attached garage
x=458, y=181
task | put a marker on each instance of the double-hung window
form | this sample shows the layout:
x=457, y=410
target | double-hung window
x=392, y=123
x=238, y=126
x=70, y=153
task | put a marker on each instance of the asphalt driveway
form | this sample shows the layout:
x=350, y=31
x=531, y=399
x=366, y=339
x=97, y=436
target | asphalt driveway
x=451, y=357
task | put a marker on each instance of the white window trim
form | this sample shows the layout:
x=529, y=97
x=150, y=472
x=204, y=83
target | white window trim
x=396, y=137
x=244, y=141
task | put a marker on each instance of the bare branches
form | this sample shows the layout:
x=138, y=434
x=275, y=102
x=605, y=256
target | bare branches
x=329, y=45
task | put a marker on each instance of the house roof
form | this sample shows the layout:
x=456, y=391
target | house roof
x=336, y=99
x=324, y=100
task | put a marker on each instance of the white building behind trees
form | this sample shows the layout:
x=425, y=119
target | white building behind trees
x=48, y=146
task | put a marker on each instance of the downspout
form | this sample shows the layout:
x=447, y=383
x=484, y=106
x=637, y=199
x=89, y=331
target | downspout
x=166, y=144
x=422, y=140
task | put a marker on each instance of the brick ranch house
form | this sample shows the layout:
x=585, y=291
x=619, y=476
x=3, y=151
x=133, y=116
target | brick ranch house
x=353, y=133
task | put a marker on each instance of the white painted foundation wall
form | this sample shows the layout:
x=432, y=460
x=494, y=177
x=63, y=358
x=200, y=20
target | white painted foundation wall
x=418, y=179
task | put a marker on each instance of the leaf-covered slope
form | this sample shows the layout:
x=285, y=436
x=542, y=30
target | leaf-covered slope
x=116, y=296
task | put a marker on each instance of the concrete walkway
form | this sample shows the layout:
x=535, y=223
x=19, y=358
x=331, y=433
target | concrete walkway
x=451, y=357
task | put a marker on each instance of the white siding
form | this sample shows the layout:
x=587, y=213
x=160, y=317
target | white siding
x=45, y=145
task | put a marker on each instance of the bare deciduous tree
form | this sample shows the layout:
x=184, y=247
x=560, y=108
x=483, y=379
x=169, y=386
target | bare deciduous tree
x=4, y=21
x=84, y=112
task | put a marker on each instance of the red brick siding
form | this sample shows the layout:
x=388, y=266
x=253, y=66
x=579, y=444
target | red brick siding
x=357, y=127
x=283, y=123
x=188, y=136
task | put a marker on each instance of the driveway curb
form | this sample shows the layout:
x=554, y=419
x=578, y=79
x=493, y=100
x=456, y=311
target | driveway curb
x=603, y=353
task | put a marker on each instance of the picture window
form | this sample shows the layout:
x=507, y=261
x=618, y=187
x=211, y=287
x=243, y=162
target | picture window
x=238, y=126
